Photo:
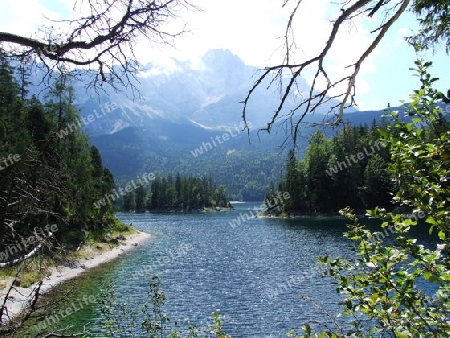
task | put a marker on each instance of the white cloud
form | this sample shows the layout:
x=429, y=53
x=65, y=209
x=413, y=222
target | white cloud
x=312, y=31
x=162, y=67
x=20, y=18
x=254, y=29
x=251, y=29
x=248, y=28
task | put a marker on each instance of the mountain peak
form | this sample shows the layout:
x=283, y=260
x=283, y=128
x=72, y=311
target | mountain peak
x=218, y=60
x=207, y=91
x=221, y=57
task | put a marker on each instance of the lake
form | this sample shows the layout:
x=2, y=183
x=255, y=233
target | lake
x=252, y=273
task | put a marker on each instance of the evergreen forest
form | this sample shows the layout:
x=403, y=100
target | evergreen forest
x=348, y=169
x=177, y=194
x=46, y=179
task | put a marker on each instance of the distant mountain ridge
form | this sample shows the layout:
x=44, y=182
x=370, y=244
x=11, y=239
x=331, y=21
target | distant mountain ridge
x=206, y=93
x=246, y=164
x=184, y=111
x=180, y=121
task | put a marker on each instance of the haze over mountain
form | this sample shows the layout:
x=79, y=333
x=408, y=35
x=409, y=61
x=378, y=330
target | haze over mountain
x=179, y=123
x=206, y=93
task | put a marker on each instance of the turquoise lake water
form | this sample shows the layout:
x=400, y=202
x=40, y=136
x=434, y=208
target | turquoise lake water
x=252, y=274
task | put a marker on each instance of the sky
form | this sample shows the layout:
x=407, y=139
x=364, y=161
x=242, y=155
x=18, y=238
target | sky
x=253, y=30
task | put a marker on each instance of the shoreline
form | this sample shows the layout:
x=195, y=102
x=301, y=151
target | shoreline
x=177, y=211
x=333, y=216
x=17, y=300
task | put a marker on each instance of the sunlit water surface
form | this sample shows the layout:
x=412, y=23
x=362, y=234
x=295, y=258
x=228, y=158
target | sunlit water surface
x=252, y=274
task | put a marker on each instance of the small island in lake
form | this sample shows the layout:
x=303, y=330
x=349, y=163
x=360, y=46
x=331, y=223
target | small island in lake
x=179, y=194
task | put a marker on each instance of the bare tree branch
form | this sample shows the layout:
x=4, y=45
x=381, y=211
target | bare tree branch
x=357, y=65
x=392, y=10
x=103, y=40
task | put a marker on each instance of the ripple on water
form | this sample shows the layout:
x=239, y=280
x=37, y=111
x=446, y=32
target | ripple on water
x=253, y=273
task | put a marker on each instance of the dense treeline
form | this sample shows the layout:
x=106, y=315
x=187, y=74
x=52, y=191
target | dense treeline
x=178, y=194
x=246, y=169
x=349, y=169
x=45, y=178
